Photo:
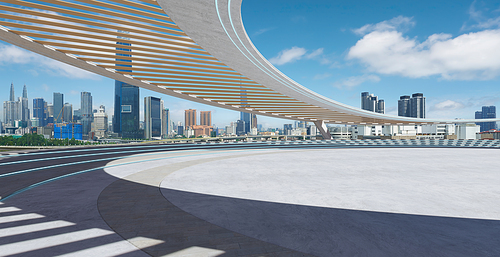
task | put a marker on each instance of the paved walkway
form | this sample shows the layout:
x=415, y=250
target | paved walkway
x=324, y=202
x=135, y=208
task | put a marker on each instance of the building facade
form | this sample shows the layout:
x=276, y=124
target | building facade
x=68, y=112
x=100, y=123
x=412, y=107
x=39, y=111
x=126, y=113
x=206, y=118
x=58, y=103
x=247, y=118
x=189, y=118
x=487, y=112
x=370, y=102
x=152, y=117
x=86, y=114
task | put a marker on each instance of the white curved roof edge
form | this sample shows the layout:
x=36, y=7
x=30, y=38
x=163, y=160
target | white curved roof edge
x=220, y=31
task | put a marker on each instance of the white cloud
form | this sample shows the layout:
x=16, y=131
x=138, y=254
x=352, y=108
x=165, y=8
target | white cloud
x=10, y=54
x=472, y=56
x=397, y=23
x=480, y=20
x=448, y=105
x=288, y=56
x=297, y=53
x=315, y=53
x=355, y=81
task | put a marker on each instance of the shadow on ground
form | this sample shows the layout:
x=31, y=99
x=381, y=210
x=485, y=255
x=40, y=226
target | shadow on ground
x=222, y=226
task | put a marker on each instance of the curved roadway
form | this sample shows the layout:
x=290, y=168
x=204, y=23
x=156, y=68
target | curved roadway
x=220, y=200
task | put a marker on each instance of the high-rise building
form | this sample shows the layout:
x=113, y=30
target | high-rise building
x=166, y=123
x=247, y=118
x=206, y=118
x=39, y=111
x=240, y=127
x=16, y=112
x=11, y=109
x=126, y=115
x=58, y=103
x=404, y=106
x=10, y=113
x=12, y=96
x=100, y=123
x=77, y=115
x=287, y=129
x=417, y=103
x=487, y=112
x=86, y=114
x=152, y=117
x=254, y=120
x=50, y=110
x=412, y=107
x=24, y=111
x=370, y=102
x=25, y=92
x=68, y=112
x=189, y=118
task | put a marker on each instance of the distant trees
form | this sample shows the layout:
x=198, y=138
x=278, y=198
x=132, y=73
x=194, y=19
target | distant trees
x=38, y=140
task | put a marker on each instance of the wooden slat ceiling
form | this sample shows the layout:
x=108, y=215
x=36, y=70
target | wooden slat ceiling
x=137, y=39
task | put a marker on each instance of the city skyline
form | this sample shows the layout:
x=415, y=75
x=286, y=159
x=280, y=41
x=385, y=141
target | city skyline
x=303, y=60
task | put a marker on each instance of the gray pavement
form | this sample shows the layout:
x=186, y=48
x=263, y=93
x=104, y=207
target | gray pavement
x=324, y=202
x=352, y=202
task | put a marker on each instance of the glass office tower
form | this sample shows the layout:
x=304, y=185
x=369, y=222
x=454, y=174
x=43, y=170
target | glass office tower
x=86, y=112
x=39, y=111
x=58, y=107
x=152, y=117
x=126, y=115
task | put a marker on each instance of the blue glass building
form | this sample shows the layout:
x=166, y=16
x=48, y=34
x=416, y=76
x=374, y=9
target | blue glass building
x=487, y=112
x=39, y=111
x=126, y=113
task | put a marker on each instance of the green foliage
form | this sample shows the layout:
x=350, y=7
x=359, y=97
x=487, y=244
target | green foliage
x=38, y=140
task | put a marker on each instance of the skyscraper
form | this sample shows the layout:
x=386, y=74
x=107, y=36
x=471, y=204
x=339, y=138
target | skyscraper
x=39, y=111
x=12, y=97
x=58, y=103
x=126, y=115
x=152, y=117
x=247, y=118
x=10, y=112
x=370, y=102
x=166, y=123
x=11, y=109
x=86, y=113
x=24, y=111
x=254, y=120
x=417, y=103
x=412, y=107
x=68, y=112
x=100, y=123
x=487, y=112
x=189, y=118
x=206, y=118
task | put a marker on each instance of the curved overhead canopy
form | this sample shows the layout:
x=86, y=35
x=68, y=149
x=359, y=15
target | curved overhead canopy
x=199, y=51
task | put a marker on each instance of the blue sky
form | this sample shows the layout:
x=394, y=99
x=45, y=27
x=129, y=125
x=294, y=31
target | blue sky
x=448, y=50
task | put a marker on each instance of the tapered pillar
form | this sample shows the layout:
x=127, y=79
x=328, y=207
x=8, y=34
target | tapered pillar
x=323, y=129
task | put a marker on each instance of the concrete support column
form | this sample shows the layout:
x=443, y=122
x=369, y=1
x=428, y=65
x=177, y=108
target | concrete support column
x=323, y=129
